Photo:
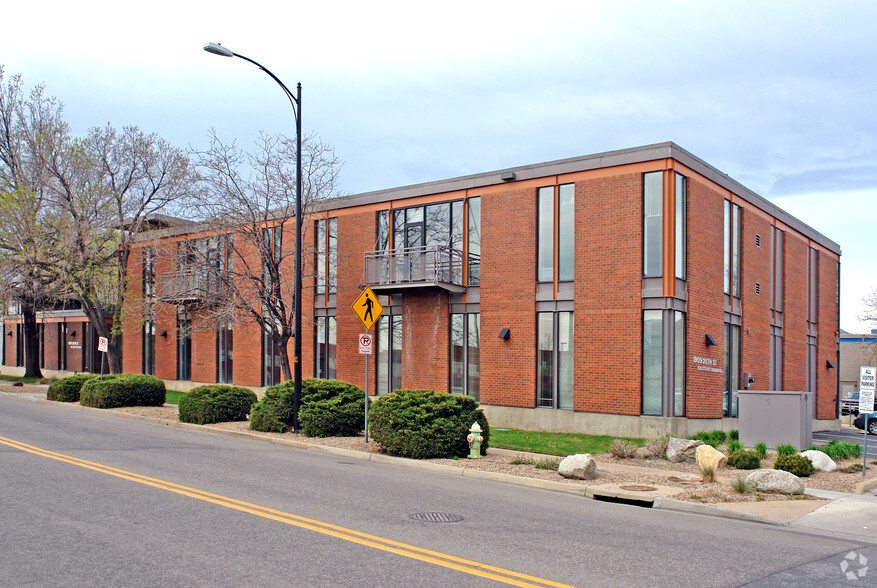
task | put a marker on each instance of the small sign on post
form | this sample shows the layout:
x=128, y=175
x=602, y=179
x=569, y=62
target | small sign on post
x=867, y=380
x=102, y=345
x=365, y=344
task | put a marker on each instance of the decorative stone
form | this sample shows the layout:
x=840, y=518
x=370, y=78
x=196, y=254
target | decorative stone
x=821, y=461
x=682, y=450
x=777, y=481
x=709, y=457
x=578, y=467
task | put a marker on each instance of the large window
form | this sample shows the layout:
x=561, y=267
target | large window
x=732, y=249
x=325, y=334
x=474, y=241
x=389, y=355
x=556, y=231
x=554, y=354
x=465, y=354
x=731, y=369
x=224, y=354
x=327, y=255
x=663, y=363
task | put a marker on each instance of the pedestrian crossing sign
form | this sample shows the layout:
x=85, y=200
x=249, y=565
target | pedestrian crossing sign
x=367, y=308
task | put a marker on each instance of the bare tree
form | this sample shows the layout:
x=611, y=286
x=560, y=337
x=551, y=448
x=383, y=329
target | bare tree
x=870, y=315
x=248, y=198
x=108, y=184
x=29, y=234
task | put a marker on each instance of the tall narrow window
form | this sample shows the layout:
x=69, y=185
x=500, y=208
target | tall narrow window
x=812, y=316
x=149, y=299
x=566, y=198
x=732, y=249
x=545, y=256
x=731, y=369
x=62, y=346
x=148, y=344
x=326, y=263
x=679, y=364
x=465, y=354
x=663, y=363
x=556, y=233
x=653, y=358
x=389, y=355
x=653, y=223
x=681, y=204
x=224, y=354
x=184, y=348
x=554, y=354
x=324, y=356
x=272, y=367
x=776, y=308
x=474, y=241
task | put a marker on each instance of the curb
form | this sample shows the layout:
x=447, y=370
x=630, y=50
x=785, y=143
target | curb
x=594, y=493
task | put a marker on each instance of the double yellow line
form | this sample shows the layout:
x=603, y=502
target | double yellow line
x=425, y=555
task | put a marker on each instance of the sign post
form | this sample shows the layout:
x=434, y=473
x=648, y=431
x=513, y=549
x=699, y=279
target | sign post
x=867, y=378
x=102, y=344
x=368, y=309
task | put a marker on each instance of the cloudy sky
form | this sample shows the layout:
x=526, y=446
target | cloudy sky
x=779, y=95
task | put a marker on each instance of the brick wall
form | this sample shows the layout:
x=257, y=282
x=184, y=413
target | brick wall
x=755, y=300
x=795, y=313
x=827, y=339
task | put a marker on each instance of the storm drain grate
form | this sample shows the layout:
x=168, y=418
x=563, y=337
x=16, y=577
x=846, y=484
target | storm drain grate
x=435, y=517
x=638, y=488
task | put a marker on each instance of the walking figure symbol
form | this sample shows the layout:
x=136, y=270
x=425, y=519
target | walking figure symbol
x=368, y=309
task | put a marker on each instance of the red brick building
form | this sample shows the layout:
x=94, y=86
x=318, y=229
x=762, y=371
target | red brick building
x=627, y=292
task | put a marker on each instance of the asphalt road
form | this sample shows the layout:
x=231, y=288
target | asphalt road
x=90, y=499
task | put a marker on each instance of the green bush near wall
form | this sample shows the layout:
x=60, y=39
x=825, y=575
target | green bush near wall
x=326, y=408
x=67, y=389
x=421, y=424
x=122, y=390
x=216, y=403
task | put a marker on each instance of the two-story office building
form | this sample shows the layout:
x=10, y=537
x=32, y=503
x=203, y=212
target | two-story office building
x=627, y=292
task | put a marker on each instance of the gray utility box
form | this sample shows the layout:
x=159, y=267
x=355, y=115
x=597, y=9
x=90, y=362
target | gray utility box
x=775, y=417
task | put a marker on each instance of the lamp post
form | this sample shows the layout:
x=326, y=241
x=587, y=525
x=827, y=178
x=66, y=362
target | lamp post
x=295, y=101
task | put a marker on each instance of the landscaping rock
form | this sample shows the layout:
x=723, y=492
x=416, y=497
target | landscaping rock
x=578, y=467
x=709, y=457
x=682, y=450
x=776, y=481
x=821, y=462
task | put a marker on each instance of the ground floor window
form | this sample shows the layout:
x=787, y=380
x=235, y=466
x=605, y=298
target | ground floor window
x=224, y=354
x=325, y=333
x=148, y=345
x=776, y=360
x=554, y=356
x=663, y=363
x=184, y=348
x=465, y=354
x=19, y=345
x=389, y=355
x=731, y=369
x=271, y=360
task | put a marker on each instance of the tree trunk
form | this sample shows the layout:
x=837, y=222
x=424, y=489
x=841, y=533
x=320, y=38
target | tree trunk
x=283, y=343
x=31, y=342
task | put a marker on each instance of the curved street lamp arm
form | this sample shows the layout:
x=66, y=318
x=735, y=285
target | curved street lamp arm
x=292, y=99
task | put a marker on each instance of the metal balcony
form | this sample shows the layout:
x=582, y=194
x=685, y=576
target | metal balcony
x=190, y=284
x=396, y=270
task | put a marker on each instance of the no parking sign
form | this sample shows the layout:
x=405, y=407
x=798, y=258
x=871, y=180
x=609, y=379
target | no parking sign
x=365, y=344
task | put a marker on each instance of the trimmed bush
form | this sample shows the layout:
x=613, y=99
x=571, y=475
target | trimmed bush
x=795, y=464
x=216, y=404
x=422, y=423
x=744, y=459
x=122, y=390
x=67, y=389
x=327, y=408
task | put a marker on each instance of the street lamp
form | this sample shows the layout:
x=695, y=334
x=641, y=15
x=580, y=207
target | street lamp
x=295, y=101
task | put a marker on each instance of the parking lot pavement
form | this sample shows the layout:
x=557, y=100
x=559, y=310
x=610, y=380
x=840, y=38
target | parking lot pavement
x=847, y=433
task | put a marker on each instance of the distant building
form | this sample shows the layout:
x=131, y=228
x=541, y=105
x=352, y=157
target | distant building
x=855, y=351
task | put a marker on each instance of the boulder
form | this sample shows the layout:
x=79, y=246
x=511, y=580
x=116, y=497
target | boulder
x=680, y=450
x=776, y=481
x=821, y=462
x=578, y=467
x=709, y=457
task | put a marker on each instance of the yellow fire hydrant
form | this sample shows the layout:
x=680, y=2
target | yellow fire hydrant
x=474, y=438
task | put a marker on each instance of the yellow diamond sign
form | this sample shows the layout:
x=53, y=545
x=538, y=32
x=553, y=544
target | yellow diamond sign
x=367, y=308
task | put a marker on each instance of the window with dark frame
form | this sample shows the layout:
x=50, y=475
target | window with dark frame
x=389, y=353
x=465, y=354
x=325, y=335
x=554, y=357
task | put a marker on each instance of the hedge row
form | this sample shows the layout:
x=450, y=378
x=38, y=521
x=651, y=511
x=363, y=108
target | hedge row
x=67, y=389
x=122, y=390
x=216, y=403
x=327, y=408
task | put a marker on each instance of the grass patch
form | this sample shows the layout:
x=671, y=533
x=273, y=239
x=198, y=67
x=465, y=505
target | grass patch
x=27, y=380
x=173, y=396
x=561, y=444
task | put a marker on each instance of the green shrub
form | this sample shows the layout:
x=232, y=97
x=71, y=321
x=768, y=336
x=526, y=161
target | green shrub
x=795, y=464
x=761, y=449
x=734, y=435
x=422, y=423
x=786, y=449
x=216, y=403
x=67, y=389
x=744, y=459
x=122, y=390
x=734, y=445
x=838, y=450
x=339, y=408
x=711, y=438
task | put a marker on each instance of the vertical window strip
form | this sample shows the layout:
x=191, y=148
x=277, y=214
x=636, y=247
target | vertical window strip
x=566, y=233
x=681, y=225
x=545, y=219
x=653, y=358
x=320, y=263
x=679, y=364
x=653, y=230
x=474, y=241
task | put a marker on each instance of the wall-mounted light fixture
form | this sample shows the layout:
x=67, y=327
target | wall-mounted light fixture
x=163, y=334
x=828, y=364
x=505, y=334
x=72, y=333
x=9, y=334
x=710, y=342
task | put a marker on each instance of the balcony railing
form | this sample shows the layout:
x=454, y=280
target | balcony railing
x=414, y=267
x=190, y=284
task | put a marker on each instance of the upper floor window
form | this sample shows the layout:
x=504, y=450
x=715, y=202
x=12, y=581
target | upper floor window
x=657, y=225
x=474, y=241
x=732, y=249
x=327, y=255
x=556, y=232
x=681, y=203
